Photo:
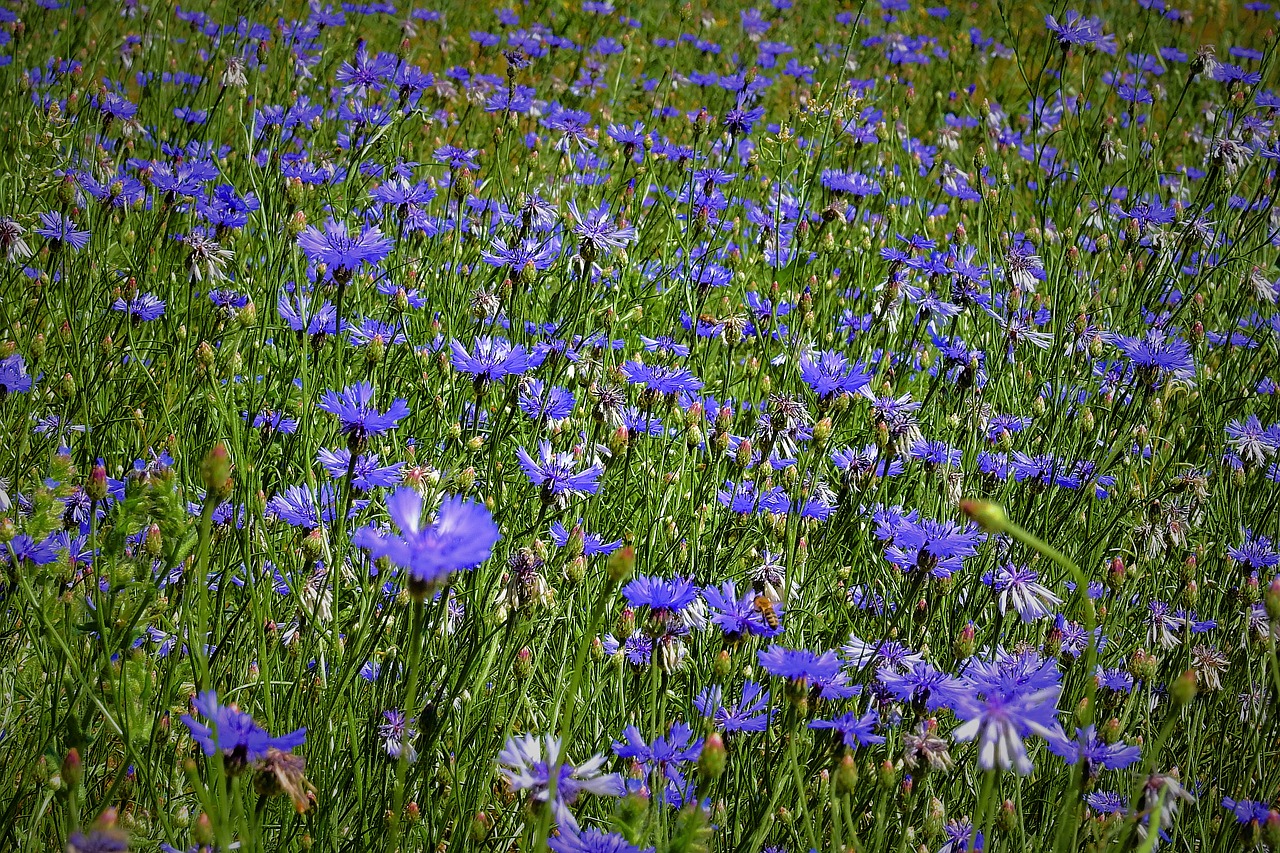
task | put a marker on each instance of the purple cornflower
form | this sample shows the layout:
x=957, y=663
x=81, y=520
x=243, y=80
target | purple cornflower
x=830, y=372
x=234, y=733
x=140, y=308
x=398, y=735
x=556, y=474
x=59, y=229
x=461, y=537
x=343, y=251
x=855, y=731
x=1017, y=588
x=664, y=758
x=356, y=413
x=494, y=359
x=1000, y=719
x=597, y=234
x=527, y=762
x=749, y=715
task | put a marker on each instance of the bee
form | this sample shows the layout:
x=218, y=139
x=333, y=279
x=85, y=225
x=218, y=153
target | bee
x=765, y=608
x=709, y=319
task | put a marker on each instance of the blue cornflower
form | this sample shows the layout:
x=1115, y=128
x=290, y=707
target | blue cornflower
x=593, y=841
x=356, y=413
x=961, y=837
x=343, y=251
x=1018, y=588
x=303, y=316
x=935, y=547
x=523, y=256
x=921, y=683
x=661, y=380
x=1075, y=29
x=539, y=401
x=1155, y=354
x=14, y=378
x=461, y=537
x=1006, y=702
x=59, y=230
x=820, y=672
x=592, y=545
x=737, y=616
x=298, y=506
x=855, y=731
x=1255, y=553
x=661, y=595
x=234, y=733
x=1095, y=753
x=751, y=714
x=936, y=453
x=830, y=372
x=365, y=475
x=1247, y=811
x=597, y=234
x=141, y=307
x=664, y=758
x=556, y=475
x=494, y=359
x=398, y=735
x=27, y=550
x=528, y=762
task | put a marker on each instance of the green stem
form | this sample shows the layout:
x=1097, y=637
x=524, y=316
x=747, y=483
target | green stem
x=416, y=641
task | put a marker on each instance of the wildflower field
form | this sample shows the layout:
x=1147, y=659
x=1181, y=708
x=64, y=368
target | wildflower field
x=729, y=426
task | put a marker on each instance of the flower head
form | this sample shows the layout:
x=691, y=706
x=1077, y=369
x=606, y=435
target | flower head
x=234, y=734
x=461, y=537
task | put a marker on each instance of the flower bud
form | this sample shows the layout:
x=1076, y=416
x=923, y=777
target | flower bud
x=215, y=473
x=72, y=768
x=886, y=775
x=1143, y=666
x=523, y=666
x=935, y=817
x=822, y=433
x=712, y=761
x=621, y=564
x=1271, y=600
x=966, y=642
x=202, y=832
x=1183, y=689
x=845, y=779
x=989, y=516
x=96, y=488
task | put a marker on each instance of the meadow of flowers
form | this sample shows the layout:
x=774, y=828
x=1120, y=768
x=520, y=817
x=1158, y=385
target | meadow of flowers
x=620, y=427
